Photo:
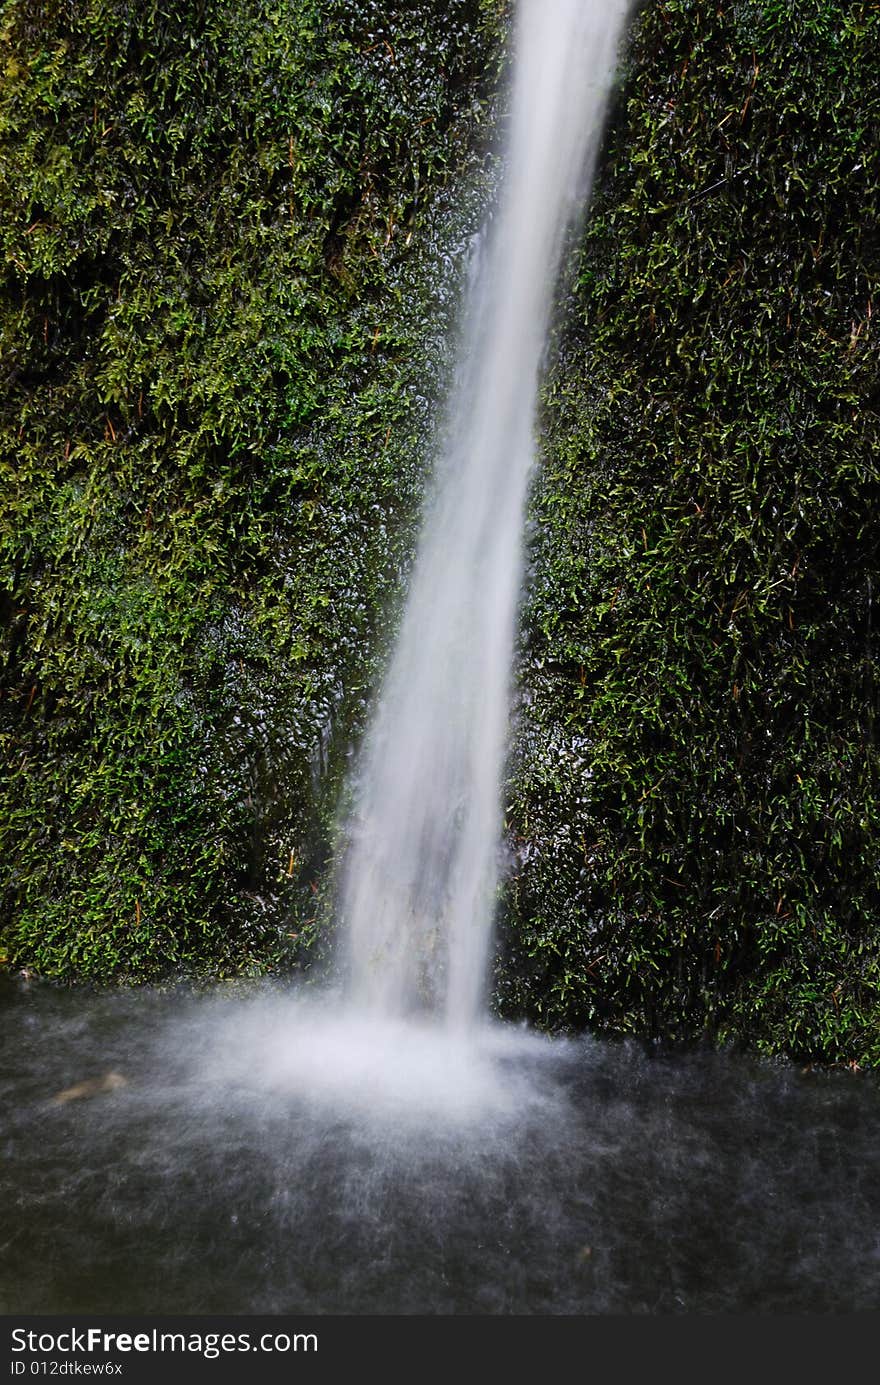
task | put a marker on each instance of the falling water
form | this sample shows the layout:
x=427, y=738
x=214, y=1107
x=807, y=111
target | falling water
x=420, y=877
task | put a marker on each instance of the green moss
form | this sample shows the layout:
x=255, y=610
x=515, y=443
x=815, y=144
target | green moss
x=697, y=798
x=230, y=236
x=217, y=328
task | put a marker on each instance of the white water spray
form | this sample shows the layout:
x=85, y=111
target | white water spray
x=419, y=882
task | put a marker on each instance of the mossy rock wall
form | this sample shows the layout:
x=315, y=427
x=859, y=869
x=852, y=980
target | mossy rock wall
x=222, y=323
x=696, y=802
x=232, y=238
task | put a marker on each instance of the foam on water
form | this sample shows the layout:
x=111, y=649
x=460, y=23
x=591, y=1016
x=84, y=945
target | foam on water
x=373, y=1169
x=380, y=1071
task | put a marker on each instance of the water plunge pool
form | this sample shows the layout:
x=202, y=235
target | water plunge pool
x=255, y=1150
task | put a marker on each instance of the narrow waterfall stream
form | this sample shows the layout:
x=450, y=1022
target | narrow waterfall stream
x=376, y=1145
x=419, y=884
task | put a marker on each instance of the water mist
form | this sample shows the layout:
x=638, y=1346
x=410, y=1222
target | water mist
x=253, y=1151
x=420, y=878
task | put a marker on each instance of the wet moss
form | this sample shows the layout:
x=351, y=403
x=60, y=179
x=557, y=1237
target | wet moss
x=221, y=345
x=232, y=236
x=696, y=807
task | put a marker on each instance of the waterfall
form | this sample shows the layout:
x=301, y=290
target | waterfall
x=420, y=876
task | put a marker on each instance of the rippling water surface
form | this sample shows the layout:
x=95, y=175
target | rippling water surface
x=261, y=1151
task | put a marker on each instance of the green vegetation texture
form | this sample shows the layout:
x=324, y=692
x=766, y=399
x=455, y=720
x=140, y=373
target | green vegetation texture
x=232, y=240
x=696, y=805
